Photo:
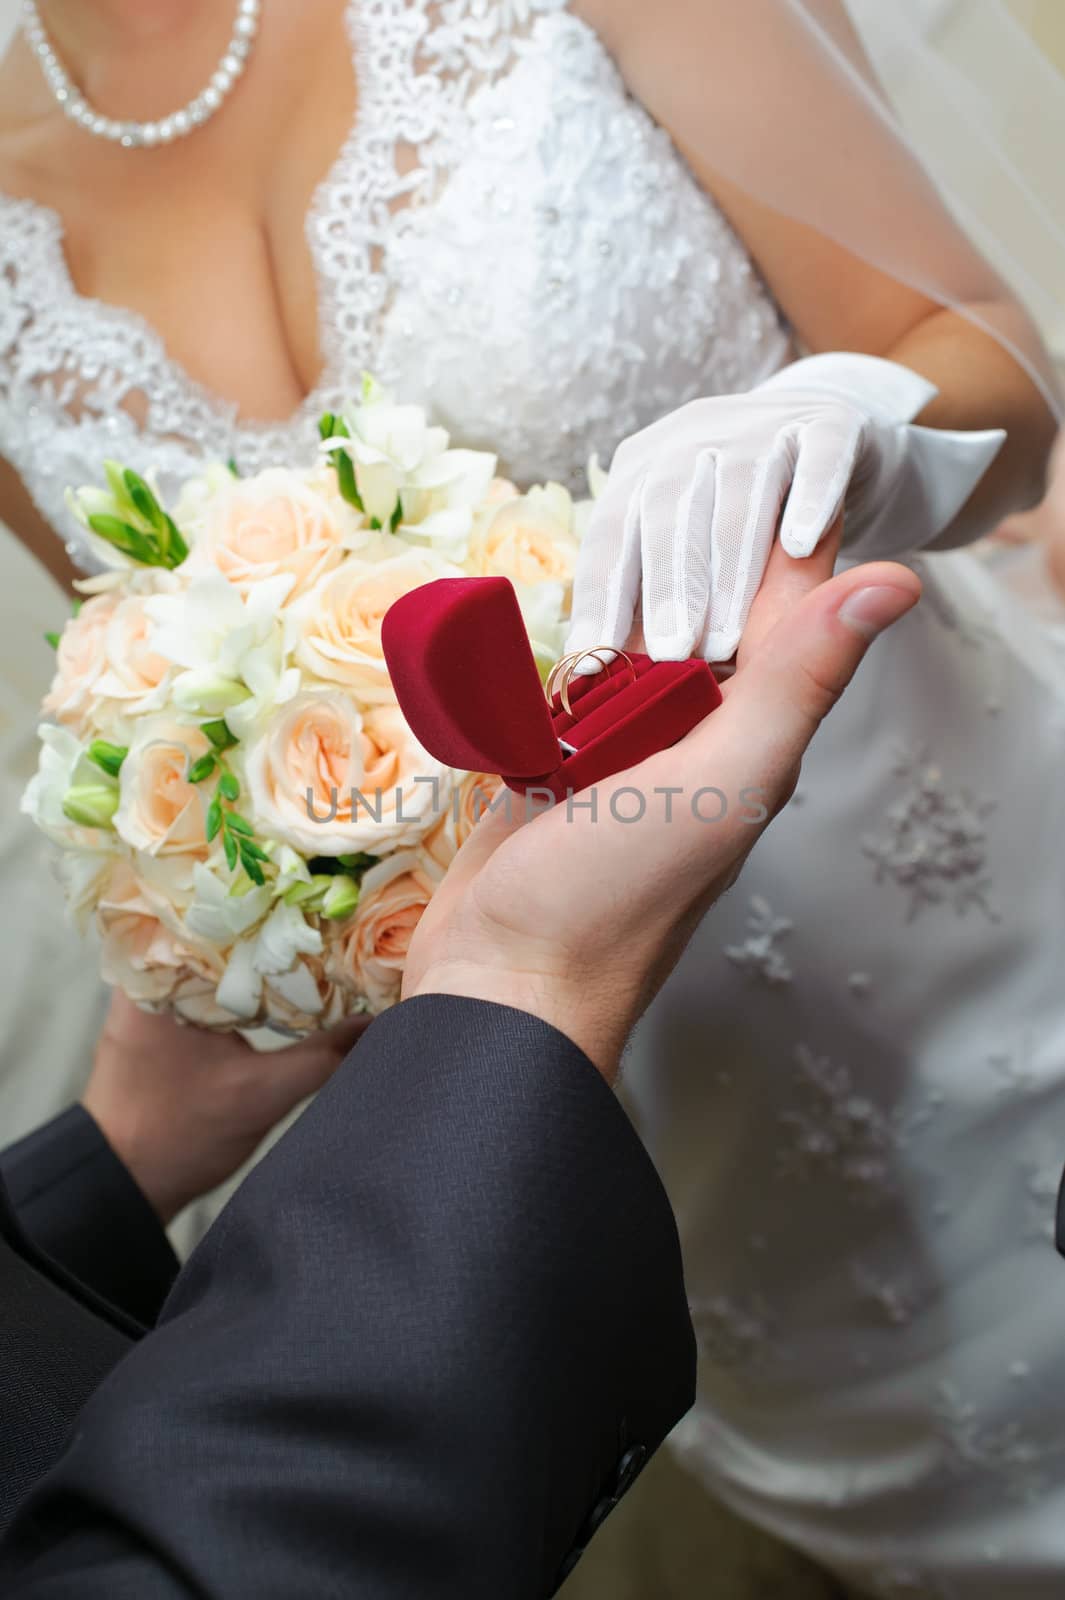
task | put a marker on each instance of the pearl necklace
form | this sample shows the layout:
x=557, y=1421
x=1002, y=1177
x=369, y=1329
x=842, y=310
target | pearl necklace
x=138, y=135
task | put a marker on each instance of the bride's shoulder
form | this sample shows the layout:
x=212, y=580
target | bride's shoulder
x=625, y=24
x=653, y=44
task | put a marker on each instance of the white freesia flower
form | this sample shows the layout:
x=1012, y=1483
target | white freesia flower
x=233, y=648
x=292, y=868
x=93, y=502
x=63, y=764
x=438, y=506
x=271, y=953
x=197, y=494
x=405, y=468
x=218, y=915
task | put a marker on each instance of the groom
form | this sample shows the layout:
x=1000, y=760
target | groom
x=434, y=1337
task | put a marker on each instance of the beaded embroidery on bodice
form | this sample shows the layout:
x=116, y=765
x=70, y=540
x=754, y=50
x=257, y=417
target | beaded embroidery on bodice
x=505, y=237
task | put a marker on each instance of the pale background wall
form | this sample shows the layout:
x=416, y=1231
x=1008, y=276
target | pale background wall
x=1045, y=19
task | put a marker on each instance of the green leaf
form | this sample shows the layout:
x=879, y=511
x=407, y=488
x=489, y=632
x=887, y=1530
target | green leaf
x=239, y=825
x=177, y=548
x=52, y=639
x=232, y=465
x=346, y=482
x=219, y=734
x=397, y=515
x=359, y=863
x=75, y=607
x=254, y=849
x=127, y=539
x=109, y=757
x=229, y=844
x=144, y=500
x=228, y=787
x=214, y=820
x=251, y=866
x=203, y=768
x=300, y=892
x=333, y=427
x=116, y=482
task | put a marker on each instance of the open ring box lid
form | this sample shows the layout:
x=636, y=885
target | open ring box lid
x=467, y=682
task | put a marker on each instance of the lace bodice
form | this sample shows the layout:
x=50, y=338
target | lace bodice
x=505, y=237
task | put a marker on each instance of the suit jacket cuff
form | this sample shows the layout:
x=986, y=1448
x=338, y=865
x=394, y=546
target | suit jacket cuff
x=79, y=1204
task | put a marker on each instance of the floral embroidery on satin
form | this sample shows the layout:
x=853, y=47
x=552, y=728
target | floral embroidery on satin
x=1004, y=1450
x=905, y=1583
x=892, y=1301
x=836, y=1129
x=936, y=844
x=1014, y=1074
x=506, y=237
x=760, y=954
x=1041, y=1169
x=732, y=1333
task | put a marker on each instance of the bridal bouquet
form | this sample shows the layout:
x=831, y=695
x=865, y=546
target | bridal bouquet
x=238, y=804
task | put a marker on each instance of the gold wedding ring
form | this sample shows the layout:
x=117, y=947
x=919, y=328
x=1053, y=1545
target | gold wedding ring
x=561, y=674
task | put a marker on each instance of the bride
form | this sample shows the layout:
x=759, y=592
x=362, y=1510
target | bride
x=856, y=1084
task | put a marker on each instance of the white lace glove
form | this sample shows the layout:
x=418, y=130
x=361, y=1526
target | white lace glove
x=692, y=504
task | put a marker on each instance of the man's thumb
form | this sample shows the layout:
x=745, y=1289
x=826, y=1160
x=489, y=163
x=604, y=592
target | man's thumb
x=804, y=664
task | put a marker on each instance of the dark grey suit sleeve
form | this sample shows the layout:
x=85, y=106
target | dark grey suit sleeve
x=424, y=1350
x=79, y=1204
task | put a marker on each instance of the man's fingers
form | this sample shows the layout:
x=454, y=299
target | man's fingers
x=805, y=662
x=492, y=829
x=786, y=584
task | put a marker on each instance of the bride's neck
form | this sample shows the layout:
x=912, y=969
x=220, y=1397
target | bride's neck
x=138, y=58
x=85, y=30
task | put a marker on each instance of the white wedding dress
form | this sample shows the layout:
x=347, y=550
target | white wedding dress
x=855, y=1085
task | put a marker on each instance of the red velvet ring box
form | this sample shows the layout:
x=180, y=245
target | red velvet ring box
x=467, y=683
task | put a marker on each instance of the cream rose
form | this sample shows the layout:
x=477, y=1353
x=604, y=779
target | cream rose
x=529, y=540
x=273, y=525
x=367, y=955
x=341, y=637
x=330, y=782
x=134, y=675
x=159, y=810
x=81, y=659
x=469, y=803
x=143, y=954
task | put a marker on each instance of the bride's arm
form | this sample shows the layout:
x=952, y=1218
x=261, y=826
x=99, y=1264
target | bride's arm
x=833, y=300
x=20, y=514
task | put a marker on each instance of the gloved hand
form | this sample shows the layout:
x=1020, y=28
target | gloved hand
x=692, y=504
